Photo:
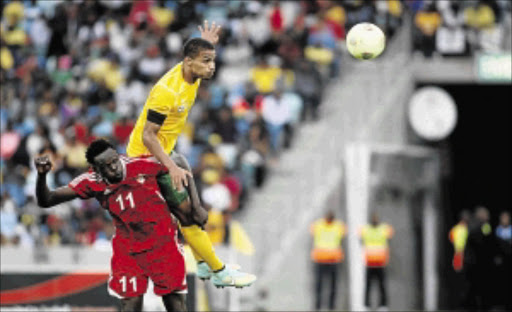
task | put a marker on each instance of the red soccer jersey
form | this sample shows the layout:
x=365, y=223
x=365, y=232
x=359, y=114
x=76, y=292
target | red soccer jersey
x=139, y=211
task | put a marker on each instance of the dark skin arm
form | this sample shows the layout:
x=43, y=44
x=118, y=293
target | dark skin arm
x=45, y=197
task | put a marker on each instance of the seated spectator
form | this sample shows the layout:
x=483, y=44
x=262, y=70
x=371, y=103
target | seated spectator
x=264, y=76
x=427, y=22
x=253, y=154
x=321, y=48
x=8, y=219
x=152, y=65
x=214, y=194
x=451, y=37
x=276, y=114
x=309, y=86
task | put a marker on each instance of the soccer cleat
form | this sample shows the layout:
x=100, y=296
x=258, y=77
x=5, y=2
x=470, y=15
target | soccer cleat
x=204, y=273
x=230, y=277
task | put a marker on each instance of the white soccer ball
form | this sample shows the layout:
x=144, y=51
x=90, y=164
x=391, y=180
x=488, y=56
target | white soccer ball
x=365, y=41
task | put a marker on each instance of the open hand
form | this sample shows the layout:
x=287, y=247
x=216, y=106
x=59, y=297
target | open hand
x=179, y=177
x=210, y=33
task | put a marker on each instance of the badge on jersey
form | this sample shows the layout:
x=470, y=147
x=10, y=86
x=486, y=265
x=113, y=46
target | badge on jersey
x=141, y=178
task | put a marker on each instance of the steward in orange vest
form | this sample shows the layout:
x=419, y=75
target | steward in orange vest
x=327, y=254
x=374, y=237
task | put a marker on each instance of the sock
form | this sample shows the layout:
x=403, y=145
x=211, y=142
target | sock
x=196, y=256
x=200, y=242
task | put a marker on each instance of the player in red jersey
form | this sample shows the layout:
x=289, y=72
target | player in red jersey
x=145, y=243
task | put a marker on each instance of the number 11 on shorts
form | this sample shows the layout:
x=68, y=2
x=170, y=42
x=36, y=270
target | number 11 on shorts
x=132, y=281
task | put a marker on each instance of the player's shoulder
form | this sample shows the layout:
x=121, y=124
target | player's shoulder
x=136, y=165
x=171, y=80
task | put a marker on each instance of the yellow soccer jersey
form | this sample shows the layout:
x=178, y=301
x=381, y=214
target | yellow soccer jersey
x=172, y=97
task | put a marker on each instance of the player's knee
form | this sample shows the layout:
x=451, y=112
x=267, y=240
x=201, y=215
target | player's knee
x=200, y=216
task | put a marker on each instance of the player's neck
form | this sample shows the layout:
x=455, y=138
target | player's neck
x=187, y=75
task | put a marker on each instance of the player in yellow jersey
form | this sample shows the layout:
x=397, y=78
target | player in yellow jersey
x=157, y=129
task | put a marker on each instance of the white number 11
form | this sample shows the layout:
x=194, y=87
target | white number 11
x=128, y=197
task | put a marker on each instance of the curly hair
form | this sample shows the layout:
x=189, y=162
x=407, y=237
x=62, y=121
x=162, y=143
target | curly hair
x=95, y=148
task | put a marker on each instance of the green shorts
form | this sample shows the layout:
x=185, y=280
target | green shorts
x=172, y=196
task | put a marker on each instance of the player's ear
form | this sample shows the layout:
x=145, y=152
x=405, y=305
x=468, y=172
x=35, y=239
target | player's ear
x=187, y=60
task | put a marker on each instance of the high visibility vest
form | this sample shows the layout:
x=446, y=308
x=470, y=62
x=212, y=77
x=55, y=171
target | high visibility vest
x=459, y=237
x=375, y=241
x=327, y=241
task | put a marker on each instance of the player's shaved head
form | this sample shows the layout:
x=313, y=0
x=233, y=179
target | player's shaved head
x=194, y=46
x=95, y=148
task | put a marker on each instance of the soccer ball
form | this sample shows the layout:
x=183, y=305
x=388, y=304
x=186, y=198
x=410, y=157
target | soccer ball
x=365, y=41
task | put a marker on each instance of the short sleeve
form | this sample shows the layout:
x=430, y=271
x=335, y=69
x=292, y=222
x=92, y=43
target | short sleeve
x=83, y=186
x=161, y=100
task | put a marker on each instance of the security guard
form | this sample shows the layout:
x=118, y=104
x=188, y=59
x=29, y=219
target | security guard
x=327, y=254
x=375, y=238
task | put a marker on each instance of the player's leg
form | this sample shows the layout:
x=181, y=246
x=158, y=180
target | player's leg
x=174, y=302
x=133, y=304
x=127, y=281
x=191, y=214
x=165, y=265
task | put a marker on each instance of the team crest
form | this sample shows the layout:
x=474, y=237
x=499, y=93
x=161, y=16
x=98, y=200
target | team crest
x=141, y=178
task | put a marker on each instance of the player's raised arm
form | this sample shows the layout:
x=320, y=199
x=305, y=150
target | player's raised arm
x=45, y=197
x=210, y=33
x=179, y=176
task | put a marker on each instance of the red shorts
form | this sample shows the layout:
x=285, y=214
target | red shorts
x=164, y=265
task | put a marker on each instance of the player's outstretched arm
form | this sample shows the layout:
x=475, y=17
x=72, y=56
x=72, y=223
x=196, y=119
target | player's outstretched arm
x=45, y=197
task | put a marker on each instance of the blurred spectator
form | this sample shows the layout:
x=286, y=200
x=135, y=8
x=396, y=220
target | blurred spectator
x=327, y=254
x=504, y=261
x=276, y=113
x=8, y=219
x=59, y=28
x=479, y=260
x=322, y=49
x=254, y=151
x=264, y=76
x=152, y=65
x=458, y=237
x=309, y=86
x=427, y=21
x=451, y=36
x=214, y=194
x=375, y=238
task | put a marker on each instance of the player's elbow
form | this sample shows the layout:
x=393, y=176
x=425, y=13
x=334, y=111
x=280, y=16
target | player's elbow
x=43, y=203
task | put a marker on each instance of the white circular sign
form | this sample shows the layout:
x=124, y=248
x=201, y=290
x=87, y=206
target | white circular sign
x=432, y=113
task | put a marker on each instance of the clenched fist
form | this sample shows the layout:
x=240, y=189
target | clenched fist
x=43, y=164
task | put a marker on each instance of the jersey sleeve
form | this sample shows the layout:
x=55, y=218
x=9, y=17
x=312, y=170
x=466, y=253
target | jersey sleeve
x=83, y=185
x=161, y=101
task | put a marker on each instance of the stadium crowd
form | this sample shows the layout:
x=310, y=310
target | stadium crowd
x=72, y=71
x=461, y=28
